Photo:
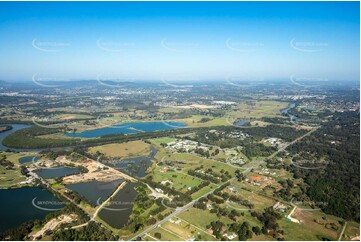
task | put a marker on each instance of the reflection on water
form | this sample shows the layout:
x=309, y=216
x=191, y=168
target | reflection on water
x=16, y=205
x=128, y=128
x=15, y=128
x=92, y=191
x=241, y=122
x=120, y=208
x=26, y=159
x=285, y=112
x=58, y=171
x=137, y=166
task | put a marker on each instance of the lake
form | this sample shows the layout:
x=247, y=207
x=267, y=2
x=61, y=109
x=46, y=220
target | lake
x=120, y=208
x=95, y=191
x=58, y=171
x=26, y=159
x=241, y=122
x=17, y=206
x=128, y=128
x=136, y=166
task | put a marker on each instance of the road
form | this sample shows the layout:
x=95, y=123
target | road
x=44, y=182
x=175, y=213
x=181, y=209
x=155, y=193
x=343, y=230
x=101, y=206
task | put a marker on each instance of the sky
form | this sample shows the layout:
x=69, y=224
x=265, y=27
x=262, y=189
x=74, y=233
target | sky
x=179, y=40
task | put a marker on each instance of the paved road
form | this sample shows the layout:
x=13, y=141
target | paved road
x=175, y=213
x=181, y=209
x=155, y=193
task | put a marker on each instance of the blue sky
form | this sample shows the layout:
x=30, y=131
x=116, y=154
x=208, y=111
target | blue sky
x=179, y=40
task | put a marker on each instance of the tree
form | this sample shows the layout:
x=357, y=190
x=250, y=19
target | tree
x=256, y=230
x=158, y=235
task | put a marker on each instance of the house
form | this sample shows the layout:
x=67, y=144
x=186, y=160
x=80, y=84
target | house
x=233, y=189
x=159, y=190
x=163, y=170
x=257, y=179
x=280, y=206
x=191, y=238
x=166, y=182
x=230, y=237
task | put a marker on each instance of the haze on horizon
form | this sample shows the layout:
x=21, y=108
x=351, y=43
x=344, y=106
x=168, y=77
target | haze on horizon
x=179, y=40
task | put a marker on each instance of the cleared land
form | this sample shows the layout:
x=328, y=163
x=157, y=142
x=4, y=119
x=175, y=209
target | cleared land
x=195, y=121
x=53, y=223
x=96, y=172
x=201, y=218
x=258, y=109
x=314, y=225
x=123, y=150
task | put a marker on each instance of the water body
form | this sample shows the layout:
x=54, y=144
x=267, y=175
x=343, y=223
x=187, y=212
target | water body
x=285, y=112
x=128, y=128
x=120, y=208
x=15, y=128
x=241, y=122
x=26, y=159
x=55, y=172
x=95, y=191
x=17, y=206
x=137, y=166
x=310, y=109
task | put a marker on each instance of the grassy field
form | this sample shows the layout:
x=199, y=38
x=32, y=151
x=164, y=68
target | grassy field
x=12, y=177
x=258, y=109
x=123, y=150
x=194, y=121
x=262, y=237
x=245, y=110
x=159, y=141
x=165, y=235
x=181, y=181
x=259, y=123
x=260, y=202
x=148, y=238
x=72, y=116
x=192, y=161
x=187, y=230
x=201, y=218
x=309, y=229
x=352, y=230
x=250, y=187
x=203, y=191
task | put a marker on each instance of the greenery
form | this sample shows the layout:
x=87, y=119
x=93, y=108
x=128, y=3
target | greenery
x=336, y=184
x=92, y=231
